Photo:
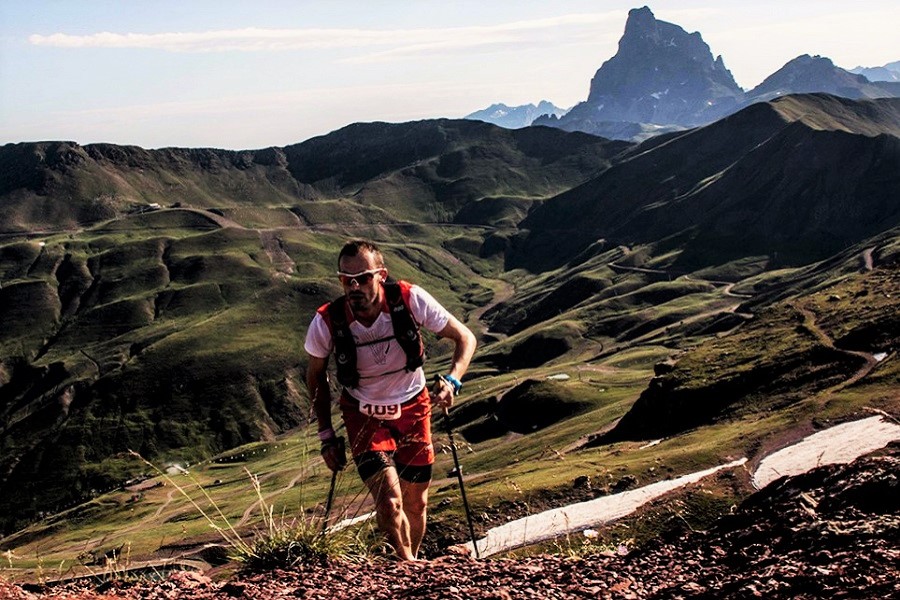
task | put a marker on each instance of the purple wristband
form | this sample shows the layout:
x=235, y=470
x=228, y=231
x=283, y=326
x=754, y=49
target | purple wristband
x=326, y=434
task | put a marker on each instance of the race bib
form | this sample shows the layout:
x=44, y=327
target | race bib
x=388, y=412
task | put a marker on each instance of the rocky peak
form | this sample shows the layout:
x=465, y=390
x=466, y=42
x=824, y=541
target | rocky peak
x=807, y=73
x=656, y=57
x=661, y=74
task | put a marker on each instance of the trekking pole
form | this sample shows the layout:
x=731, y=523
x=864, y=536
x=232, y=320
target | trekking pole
x=462, y=487
x=329, y=501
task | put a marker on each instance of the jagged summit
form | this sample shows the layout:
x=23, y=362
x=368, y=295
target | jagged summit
x=664, y=79
x=655, y=56
x=661, y=74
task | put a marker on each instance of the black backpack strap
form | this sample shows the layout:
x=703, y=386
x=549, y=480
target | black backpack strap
x=405, y=329
x=344, y=346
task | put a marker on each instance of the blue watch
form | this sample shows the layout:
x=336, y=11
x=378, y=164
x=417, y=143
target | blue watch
x=453, y=381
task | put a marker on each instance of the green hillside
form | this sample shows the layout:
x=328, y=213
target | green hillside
x=621, y=295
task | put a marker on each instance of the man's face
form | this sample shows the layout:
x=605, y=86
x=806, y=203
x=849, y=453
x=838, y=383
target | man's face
x=363, y=292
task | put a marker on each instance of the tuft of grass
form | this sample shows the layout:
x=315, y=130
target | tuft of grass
x=281, y=542
x=286, y=543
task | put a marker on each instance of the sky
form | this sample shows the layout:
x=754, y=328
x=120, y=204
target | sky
x=257, y=73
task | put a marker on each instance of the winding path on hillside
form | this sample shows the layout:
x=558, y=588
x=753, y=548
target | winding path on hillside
x=505, y=292
x=731, y=308
x=869, y=360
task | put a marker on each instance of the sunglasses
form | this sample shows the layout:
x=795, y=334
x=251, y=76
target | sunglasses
x=361, y=278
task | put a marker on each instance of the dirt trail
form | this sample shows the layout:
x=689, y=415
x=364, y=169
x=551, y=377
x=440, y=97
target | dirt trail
x=809, y=320
x=502, y=295
x=732, y=308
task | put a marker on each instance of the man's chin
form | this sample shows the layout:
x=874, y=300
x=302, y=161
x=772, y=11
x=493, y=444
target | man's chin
x=357, y=302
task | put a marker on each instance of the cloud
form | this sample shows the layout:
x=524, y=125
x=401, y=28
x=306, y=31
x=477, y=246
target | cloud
x=396, y=42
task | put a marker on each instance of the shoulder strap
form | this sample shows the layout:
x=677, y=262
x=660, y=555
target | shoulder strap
x=344, y=346
x=405, y=329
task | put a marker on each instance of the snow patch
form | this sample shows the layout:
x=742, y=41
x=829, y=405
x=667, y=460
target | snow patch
x=577, y=517
x=836, y=445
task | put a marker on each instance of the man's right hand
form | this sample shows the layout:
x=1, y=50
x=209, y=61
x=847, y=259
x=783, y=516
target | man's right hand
x=334, y=453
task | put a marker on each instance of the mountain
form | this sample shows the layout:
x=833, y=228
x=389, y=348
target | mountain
x=151, y=300
x=795, y=179
x=663, y=80
x=660, y=75
x=807, y=74
x=515, y=117
x=888, y=72
x=53, y=185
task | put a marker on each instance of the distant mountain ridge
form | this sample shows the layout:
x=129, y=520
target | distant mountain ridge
x=664, y=79
x=888, y=72
x=515, y=117
x=447, y=162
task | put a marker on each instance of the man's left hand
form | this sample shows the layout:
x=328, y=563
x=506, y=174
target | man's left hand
x=442, y=393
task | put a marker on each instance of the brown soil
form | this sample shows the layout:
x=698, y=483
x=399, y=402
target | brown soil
x=830, y=533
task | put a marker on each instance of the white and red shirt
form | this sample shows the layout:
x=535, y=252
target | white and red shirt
x=383, y=378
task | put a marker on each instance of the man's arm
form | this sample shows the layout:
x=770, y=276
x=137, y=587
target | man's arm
x=317, y=382
x=319, y=392
x=463, y=351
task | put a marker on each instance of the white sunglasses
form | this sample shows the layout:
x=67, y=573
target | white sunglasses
x=361, y=278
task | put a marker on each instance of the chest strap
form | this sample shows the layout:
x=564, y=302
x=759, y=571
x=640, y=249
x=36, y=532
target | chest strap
x=406, y=332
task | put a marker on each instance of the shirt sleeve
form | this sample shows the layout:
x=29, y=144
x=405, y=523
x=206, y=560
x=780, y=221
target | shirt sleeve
x=427, y=311
x=318, y=338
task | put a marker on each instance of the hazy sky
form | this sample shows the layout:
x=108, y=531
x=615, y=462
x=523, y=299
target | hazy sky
x=258, y=73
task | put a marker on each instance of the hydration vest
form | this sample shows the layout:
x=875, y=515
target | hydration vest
x=406, y=332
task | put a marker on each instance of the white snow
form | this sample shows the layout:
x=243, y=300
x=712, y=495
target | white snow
x=576, y=517
x=348, y=522
x=839, y=444
x=649, y=444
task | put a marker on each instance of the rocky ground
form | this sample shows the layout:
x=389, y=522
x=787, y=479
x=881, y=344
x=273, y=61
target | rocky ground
x=830, y=533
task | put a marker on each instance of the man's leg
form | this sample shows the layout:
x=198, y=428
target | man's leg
x=415, y=503
x=389, y=511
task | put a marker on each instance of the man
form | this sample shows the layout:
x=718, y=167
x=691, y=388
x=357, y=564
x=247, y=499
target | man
x=373, y=330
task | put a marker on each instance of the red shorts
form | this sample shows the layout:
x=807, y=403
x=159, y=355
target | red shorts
x=408, y=438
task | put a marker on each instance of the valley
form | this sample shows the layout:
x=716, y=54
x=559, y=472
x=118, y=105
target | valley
x=708, y=291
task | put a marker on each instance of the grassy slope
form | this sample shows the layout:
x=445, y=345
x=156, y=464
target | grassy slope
x=210, y=331
x=185, y=342
x=523, y=471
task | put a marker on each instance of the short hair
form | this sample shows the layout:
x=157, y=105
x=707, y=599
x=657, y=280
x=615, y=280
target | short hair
x=354, y=247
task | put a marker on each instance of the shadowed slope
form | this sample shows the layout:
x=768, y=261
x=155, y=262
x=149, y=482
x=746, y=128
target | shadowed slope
x=762, y=181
